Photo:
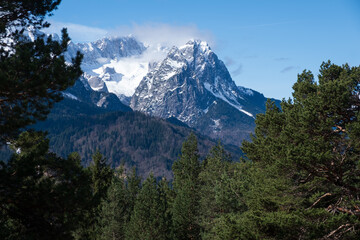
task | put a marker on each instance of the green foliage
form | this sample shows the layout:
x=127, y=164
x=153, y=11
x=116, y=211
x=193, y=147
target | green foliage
x=133, y=188
x=101, y=176
x=167, y=197
x=185, y=208
x=42, y=195
x=149, y=220
x=308, y=159
x=260, y=203
x=114, y=209
x=32, y=73
x=214, y=167
x=25, y=13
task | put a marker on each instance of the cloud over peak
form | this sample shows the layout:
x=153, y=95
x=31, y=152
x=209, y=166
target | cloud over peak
x=77, y=32
x=149, y=33
x=163, y=34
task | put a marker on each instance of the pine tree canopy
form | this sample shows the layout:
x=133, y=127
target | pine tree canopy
x=312, y=144
x=185, y=207
x=33, y=72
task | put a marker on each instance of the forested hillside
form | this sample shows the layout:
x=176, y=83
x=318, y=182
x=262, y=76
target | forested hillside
x=131, y=138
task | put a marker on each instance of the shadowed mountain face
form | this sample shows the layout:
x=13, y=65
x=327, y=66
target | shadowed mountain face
x=133, y=138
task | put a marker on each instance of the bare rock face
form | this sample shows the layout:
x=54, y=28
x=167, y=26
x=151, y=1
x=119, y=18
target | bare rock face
x=185, y=84
x=194, y=86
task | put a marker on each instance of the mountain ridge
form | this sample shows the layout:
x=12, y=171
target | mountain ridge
x=189, y=83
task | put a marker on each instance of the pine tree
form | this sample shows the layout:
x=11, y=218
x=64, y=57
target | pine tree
x=42, y=196
x=185, y=208
x=311, y=149
x=167, y=196
x=101, y=176
x=32, y=73
x=133, y=189
x=214, y=167
x=148, y=220
x=262, y=205
x=113, y=209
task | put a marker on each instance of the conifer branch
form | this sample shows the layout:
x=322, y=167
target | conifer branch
x=318, y=200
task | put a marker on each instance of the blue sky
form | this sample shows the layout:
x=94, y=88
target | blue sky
x=264, y=43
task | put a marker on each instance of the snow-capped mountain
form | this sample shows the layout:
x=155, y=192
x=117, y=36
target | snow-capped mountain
x=186, y=83
x=112, y=65
x=116, y=64
x=189, y=83
x=194, y=86
x=106, y=50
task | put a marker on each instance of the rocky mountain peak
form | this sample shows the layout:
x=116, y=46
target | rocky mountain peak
x=106, y=49
x=186, y=83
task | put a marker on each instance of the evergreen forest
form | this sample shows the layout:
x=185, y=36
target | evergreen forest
x=298, y=178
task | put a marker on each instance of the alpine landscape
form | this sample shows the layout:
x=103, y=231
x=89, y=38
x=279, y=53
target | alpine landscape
x=162, y=120
x=184, y=89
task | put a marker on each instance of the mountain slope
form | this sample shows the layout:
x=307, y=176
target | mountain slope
x=151, y=144
x=82, y=92
x=193, y=85
x=185, y=84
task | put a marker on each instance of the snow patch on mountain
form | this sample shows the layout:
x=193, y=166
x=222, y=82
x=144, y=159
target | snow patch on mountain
x=69, y=95
x=246, y=91
x=117, y=64
x=222, y=97
x=125, y=75
x=216, y=123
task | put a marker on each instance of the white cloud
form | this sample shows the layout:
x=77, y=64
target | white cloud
x=149, y=33
x=164, y=34
x=77, y=32
x=154, y=35
x=160, y=37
